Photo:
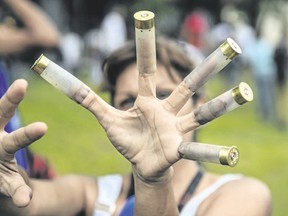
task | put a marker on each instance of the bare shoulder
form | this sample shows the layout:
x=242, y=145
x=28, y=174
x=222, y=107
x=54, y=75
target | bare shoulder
x=244, y=196
x=248, y=186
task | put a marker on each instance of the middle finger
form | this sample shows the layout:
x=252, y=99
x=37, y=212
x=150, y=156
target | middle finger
x=146, y=51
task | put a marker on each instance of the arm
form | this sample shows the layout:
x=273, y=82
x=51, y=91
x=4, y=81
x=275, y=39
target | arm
x=154, y=198
x=38, y=29
x=67, y=195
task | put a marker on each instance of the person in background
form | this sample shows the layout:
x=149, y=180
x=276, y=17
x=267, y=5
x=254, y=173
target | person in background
x=195, y=29
x=36, y=30
x=280, y=58
x=260, y=60
x=101, y=41
x=140, y=128
x=235, y=24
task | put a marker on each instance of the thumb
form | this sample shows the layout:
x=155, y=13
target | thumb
x=22, y=196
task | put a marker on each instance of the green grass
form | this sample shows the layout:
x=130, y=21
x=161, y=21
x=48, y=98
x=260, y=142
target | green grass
x=76, y=142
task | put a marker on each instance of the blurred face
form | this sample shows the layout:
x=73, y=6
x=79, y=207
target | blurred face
x=126, y=89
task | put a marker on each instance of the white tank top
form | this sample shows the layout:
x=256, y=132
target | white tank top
x=110, y=187
x=192, y=205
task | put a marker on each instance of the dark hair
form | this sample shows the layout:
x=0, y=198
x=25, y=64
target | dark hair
x=168, y=52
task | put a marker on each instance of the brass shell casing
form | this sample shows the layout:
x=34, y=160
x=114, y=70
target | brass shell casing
x=40, y=64
x=144, y=19
x=229, y=156
x=242, y=93
x=230, y=48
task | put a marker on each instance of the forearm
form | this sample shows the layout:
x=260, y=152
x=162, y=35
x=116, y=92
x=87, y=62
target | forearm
x=41, y=29
x=67, y=195
x=155, y=198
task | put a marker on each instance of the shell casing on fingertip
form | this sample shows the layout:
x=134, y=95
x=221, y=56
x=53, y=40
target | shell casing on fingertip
x=229, y=156
x=203, y=152
x=242, y=93
x=230, y=48
x=40, y=64
x=211, y=65
x=144, y=19
x=145, y=45
x=223, y=103
x=61, y=79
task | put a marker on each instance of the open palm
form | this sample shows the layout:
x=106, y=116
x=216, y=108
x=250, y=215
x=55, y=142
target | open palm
x=11, y=182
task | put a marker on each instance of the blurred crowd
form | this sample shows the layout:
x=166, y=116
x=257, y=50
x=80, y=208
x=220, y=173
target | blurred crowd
x=90, y=30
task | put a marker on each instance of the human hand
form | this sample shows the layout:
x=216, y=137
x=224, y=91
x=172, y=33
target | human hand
x=12, y=183
x=130, y=132
x=149, y=134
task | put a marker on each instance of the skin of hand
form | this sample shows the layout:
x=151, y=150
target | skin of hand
x=11, y=181
x=149, y=133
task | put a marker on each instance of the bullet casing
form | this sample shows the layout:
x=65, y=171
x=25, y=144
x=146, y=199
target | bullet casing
x=224, y=103
x=213, y=64
x=40, y=64
x=230, y=48
x=61, y=79
x=202, y=152
x=145, y=48
x=144, y=19
x=229, y=156
x=242, y=93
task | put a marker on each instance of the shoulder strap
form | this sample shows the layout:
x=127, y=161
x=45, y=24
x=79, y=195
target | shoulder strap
x=186, y=196
x=190, y=190
x=192, y=205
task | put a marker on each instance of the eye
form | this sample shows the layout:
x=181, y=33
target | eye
x=163, y=94
x=127, y=103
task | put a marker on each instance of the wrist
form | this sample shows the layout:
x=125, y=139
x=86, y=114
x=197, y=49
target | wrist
x=157, y=179
x=150, y=193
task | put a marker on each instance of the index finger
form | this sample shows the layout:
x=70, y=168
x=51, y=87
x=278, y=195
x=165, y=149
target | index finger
x=71, y=86
x=146, y=51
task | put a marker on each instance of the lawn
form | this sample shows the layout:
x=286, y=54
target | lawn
x=76, y=143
